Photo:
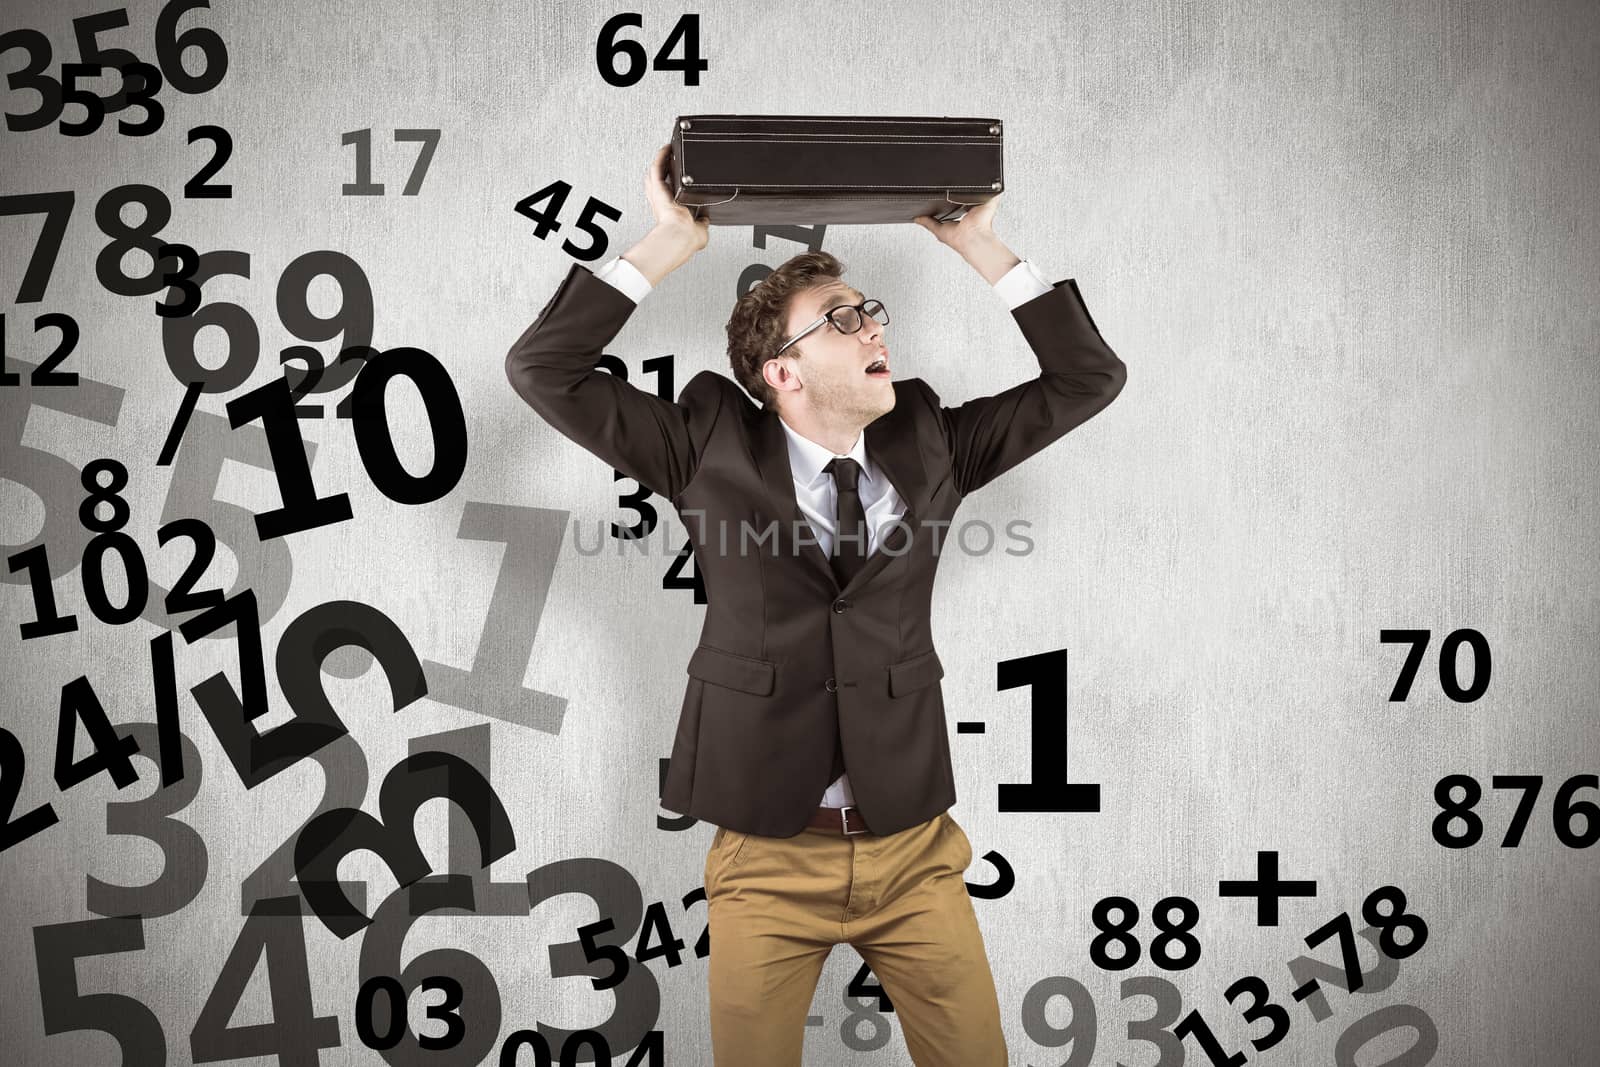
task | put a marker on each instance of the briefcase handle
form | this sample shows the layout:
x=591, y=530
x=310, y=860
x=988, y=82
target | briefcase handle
x=694, y=209
x=957, y=212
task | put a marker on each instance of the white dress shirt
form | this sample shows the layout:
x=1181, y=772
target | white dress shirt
x=1019, y=285
x=813, y=486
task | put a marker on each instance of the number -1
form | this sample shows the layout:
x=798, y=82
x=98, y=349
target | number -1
x=1049, y=790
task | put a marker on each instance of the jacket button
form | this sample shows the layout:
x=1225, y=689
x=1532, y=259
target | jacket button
x=830, y=685
x=839, y=606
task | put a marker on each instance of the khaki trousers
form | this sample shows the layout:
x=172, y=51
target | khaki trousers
x=778, y=905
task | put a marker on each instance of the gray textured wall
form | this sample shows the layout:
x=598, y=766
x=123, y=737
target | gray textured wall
x=1349, y=253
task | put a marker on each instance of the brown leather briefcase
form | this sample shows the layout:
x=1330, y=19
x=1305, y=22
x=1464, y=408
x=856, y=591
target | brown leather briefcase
x=742, y=170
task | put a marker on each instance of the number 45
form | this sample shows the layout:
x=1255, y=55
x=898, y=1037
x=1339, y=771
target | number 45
x=545, y=221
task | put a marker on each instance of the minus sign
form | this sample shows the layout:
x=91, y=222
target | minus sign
x=1305, y=991
x=969, y=727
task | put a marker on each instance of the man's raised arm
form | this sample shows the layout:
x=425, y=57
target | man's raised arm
x=1079, y=374
x=554, y=364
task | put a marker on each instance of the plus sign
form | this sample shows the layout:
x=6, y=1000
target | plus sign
x=1268, y=889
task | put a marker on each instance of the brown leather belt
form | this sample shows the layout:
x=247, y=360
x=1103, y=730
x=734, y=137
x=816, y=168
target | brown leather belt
x=846, y=820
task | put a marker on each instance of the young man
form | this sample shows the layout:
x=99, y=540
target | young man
x=817, y=654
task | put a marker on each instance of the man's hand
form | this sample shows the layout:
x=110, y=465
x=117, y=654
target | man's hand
x=976, y=225
x=974, y=238
x=677, y=235
x=671, y=215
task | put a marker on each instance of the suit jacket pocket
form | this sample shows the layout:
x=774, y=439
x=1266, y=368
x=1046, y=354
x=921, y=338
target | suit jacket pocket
x=914, y=673
x=728, y=669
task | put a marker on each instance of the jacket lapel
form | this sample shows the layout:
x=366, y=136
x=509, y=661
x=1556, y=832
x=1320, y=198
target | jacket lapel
x=772, y=456
x=892, y=450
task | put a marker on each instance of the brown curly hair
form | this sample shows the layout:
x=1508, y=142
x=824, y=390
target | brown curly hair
x=756, y=328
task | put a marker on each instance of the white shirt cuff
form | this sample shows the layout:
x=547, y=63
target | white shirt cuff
x=1021, y=284
x=625, y=278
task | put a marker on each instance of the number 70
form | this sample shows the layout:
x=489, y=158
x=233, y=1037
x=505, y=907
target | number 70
x=1418, y=639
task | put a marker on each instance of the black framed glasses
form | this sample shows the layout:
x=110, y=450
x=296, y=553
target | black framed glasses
x=846, y=318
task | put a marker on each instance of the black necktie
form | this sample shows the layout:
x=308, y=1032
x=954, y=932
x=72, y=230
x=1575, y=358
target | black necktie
x=848, y=554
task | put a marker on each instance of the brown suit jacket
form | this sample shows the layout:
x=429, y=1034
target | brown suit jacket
x=784, y=652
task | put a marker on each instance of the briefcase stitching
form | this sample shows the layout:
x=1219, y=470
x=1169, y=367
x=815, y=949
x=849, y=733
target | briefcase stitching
x=723, y=137
x=685, y=138
x=816, y=119
x=926, y=144
x=817, y=185
x=803, y=139
x=880, y=196
x=839, y=185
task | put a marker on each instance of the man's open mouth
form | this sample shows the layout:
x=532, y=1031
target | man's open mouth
x=878, y=368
